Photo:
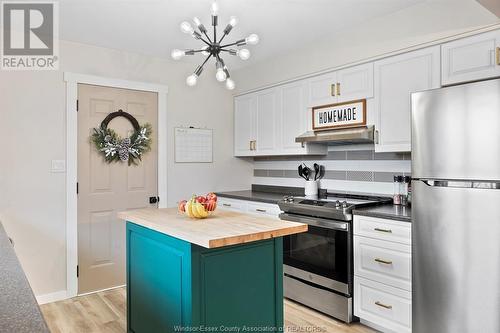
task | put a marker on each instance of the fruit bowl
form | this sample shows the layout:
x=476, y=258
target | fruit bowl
x=198, y=207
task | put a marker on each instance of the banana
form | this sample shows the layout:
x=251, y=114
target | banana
x=194, y=211
x=189, y=208
x=202, y=212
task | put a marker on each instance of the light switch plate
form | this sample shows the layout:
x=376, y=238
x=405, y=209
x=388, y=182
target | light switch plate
x=58, y=166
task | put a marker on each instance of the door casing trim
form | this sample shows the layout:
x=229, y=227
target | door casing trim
x=72, y=80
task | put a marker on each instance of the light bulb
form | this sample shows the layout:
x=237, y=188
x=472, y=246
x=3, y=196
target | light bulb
x=186, y=28
x=244, y=54
x=197, y=21
x=215, y=9
x=220, y=75
x=233, y=21
x=177, y=54
x=205, y=51
x=252, y=39
x=230, y=84
x=191, y=80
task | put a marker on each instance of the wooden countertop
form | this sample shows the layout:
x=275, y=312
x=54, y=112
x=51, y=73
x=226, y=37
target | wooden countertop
x=222, y=228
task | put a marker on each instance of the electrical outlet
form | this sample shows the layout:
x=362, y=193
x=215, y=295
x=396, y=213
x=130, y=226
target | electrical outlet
x=58, y=166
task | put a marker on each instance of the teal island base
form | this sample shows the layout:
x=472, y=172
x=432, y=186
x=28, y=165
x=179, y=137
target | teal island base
x=176, y=286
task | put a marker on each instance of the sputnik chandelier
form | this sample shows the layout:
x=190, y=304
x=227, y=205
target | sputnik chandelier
x=214, y=47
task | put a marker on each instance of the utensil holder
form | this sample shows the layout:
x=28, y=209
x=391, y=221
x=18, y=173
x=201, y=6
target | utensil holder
x=311, y=188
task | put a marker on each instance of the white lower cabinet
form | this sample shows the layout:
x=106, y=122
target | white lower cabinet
x=251, y=207
x=382, y=273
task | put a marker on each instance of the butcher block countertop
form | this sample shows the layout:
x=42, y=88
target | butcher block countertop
x=222, y=228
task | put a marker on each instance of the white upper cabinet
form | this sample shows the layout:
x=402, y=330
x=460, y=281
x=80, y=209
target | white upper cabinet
x=345, y=85
x=395, y=79
x=472, y=58
x=293, y=116
x=267, y=131
x=322, y=89
x=355, y=83
x=244, y=125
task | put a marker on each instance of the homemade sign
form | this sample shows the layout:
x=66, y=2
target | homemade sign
x=341, y=115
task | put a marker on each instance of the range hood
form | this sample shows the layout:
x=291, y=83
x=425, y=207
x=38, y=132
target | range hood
x=339, y=136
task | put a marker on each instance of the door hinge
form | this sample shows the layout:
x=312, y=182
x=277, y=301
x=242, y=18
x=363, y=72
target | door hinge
x=76, y=187
x=77, y=271
x=76, y=105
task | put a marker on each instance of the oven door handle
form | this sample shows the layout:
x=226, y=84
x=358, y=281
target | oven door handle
x=317, y=222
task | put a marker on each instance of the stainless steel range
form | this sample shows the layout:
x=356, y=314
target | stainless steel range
x=318, y=264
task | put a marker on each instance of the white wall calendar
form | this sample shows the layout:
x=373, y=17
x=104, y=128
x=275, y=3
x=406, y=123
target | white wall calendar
x=193, y=145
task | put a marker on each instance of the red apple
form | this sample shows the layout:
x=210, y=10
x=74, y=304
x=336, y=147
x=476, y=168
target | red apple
x=182, y=206
x=211, y=196
x=201, y=199
x=210, y=205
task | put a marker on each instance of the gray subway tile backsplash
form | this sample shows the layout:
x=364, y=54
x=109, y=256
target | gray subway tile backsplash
x=384, y=176
x=335, y=174
x=361, y=176
x=276, y=173
x=360, y=155
x=349, y=175
x=260, y=173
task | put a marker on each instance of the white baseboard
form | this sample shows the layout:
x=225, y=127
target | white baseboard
x=52, y=297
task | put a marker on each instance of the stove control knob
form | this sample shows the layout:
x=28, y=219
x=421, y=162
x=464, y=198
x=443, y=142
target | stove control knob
x=337, y=204
x=344, y=204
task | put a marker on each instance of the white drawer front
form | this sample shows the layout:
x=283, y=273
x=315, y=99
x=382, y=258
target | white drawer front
x=383, y=305
x=390, y=230
x=382, y=261
x=231, y=204
x=263, y=209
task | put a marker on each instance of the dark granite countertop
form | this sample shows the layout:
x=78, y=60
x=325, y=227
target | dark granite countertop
x=19, y=311
x=250, y=195
x=389, y=211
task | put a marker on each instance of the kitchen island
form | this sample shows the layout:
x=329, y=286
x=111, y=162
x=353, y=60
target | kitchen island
x=219, y=274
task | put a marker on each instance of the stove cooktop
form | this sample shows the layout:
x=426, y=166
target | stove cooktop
x=333, y=206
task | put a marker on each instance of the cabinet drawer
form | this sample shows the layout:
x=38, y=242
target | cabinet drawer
x=386, y=306
x=390, y=230
x=383, y=261
x=263, y=209
x=231, y=204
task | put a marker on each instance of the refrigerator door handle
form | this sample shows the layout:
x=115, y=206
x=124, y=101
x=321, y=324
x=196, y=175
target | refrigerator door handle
x=495, y=185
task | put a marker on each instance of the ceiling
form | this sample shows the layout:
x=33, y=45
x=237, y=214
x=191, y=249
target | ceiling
x=151, y=27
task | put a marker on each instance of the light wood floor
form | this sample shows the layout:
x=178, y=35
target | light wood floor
x=106, y=312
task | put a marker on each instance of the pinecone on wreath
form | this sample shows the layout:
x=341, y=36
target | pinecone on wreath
x=123, y=153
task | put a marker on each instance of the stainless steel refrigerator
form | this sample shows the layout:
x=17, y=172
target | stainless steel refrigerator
x=456, y=209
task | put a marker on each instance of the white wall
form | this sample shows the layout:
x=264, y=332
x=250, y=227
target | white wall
x=409, y=27
x=32, y=133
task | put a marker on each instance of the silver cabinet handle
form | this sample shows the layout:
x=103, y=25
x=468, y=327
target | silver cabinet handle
x=226, y=205
x=382, y=261
x=377, y=136
x=389, y=231
x=260, y=210
x=498, y=56
x=338, y=89
x=383, y=305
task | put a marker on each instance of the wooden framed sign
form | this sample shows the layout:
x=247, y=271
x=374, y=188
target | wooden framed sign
x=341, y=115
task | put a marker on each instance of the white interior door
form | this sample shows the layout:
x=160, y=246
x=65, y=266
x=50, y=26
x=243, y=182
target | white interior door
x=105, y=189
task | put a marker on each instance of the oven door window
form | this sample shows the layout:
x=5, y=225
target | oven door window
x=321, y=251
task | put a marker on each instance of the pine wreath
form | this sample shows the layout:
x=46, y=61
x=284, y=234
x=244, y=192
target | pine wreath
x=113, y=148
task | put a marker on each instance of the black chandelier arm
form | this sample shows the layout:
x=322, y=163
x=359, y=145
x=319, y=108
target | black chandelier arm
x=206, y=59
x=204, y=41
x=232, y=52
x=223, y=36
x=240, y=42
x=206, y=35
